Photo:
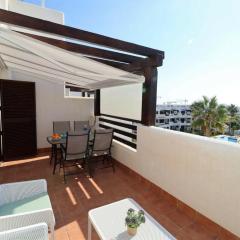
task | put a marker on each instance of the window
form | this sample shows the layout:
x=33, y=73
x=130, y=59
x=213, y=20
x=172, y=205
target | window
x=175, y=112
x=77, y=92
x=167, y=112
x=161, y=121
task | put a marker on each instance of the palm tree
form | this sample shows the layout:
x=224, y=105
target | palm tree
x=209, y=116
x=234, y=118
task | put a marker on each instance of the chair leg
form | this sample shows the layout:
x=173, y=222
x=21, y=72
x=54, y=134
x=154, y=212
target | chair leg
x=61, y=160
x=60, y=166
x=91, y=166
x=88, y=167
x=64, y=175
x=112, y=162
x=52, y=154
x=52, y=233
x=103, y=160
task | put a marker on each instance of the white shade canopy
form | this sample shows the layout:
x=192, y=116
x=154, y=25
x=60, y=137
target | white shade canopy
x=22, y=53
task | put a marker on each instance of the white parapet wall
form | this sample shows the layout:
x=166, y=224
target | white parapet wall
x=202, y=172
x=32, y=10
x=35, y=11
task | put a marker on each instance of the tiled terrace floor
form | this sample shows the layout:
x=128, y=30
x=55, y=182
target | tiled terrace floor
x=72, y=201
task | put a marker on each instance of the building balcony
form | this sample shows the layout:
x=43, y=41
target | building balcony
x=185, y=183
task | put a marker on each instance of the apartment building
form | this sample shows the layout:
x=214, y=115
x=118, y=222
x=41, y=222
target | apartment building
x=174, y=116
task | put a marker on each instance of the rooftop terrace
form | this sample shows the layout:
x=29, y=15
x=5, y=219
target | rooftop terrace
x=72, y=201
x=201, y=173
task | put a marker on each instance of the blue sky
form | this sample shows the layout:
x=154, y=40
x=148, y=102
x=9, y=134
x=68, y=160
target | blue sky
x=201, y=40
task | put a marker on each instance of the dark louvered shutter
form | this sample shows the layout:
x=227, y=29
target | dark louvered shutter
x=18, y=118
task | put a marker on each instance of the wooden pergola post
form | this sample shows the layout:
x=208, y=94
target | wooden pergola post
x=97, y=99
x=149, y=96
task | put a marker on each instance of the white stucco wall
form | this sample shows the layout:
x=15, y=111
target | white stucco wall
x=126, y=101
x=32, y=10
x=204, y=173
x=4, y=4
x=52, y=106
x=50, y=102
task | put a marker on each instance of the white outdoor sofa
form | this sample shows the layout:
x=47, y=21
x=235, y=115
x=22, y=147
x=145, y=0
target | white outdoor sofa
x=33, y=232
x=24, y=204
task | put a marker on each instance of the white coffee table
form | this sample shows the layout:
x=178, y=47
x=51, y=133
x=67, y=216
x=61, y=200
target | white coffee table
x=109, y=223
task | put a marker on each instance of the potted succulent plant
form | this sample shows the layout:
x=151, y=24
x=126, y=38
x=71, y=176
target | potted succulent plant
x=134, y=220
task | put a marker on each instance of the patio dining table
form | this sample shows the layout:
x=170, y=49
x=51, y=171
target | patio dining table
x=58, y=142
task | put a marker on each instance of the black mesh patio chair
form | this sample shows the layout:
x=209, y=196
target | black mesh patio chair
x=75, y=153
x=101, y=149
x=81, y=125
x=60, y=127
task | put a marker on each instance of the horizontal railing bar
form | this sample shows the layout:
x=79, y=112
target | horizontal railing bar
x=130, y=144
x=126, y=134
x=121, y=118
x=125, y=125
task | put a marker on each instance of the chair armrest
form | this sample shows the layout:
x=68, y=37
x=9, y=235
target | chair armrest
x=12, y=192
x=37, y=231
x=25, y=219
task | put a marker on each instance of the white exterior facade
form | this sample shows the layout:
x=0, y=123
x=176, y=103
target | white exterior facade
x=32, y=10
x=174, y=117
x=51, y=103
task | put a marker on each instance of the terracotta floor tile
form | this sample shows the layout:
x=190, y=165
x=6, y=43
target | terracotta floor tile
x=180, y=218
x=168, y=224
x=165, y=207
x=207, y=223
x=181, y=235
x=61, y=234
x=226, y=235
x=187, y=210
x=72, y=201
x=199, y=232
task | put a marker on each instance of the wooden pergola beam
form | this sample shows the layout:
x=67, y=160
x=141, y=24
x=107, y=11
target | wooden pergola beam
x=136, y=64
x=105, y=56
x=115, y=64
x=74, y=33
x=154, y=61
x=87, y=50
x=122, y=61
